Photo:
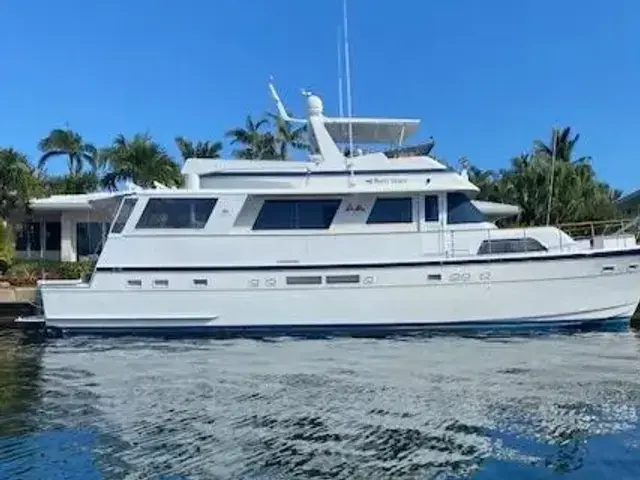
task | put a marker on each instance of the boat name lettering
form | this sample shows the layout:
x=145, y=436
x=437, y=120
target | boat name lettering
x=357, y=208
x=386, y=181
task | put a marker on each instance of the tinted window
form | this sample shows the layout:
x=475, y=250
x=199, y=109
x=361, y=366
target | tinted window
x=431, y=208
x=28, y=237
x=296, y=214
x=461, y=210
x=90, y=237
x=391, y=210
x=123, y=215
x=514, y=245
x=176, y=213
x=52, y=236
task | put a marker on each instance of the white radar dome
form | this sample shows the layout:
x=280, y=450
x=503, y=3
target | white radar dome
x=314, y=105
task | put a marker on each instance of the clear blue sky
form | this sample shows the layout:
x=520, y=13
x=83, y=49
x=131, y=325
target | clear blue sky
x=485, y=77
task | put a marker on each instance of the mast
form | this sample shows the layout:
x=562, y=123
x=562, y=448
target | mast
x=553, y=172
x=340, y=93
x=347, y=72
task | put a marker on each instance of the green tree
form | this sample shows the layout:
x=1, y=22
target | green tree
x=7, y=246
x=253, y=141
x=19, y=182
x=206, y=149
x=564, y=145
x=286, y=137
x=68, y=143
x=84, y=182
x=139, y=160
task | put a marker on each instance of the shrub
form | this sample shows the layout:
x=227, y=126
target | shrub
x=28, y=272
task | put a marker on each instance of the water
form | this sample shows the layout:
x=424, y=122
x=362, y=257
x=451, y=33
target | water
x=537, y=407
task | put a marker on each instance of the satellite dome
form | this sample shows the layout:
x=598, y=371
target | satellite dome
x=314, y=105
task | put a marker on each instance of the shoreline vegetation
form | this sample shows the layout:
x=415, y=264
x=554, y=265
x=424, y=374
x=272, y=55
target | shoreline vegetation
x=578, y=195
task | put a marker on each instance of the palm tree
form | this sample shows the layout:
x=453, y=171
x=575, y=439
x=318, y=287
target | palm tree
x=565, y=145
x=139, y=160
x=255, y=143
x=286, y=137
x=19, y=182
x=70, y=144
x=83, y=182
x=206, y=149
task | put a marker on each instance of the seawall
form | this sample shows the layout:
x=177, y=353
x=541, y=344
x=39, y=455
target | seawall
x=15, y=302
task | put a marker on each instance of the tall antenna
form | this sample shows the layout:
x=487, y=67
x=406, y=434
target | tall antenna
x=347, y=72
x=340, y=67
x=553, y=172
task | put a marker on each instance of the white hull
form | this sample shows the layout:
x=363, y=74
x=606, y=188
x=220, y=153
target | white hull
x=577, y=288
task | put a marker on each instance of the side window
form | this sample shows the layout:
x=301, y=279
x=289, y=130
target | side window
x=123, y=215
x=431, y=208
x=461, y=210
x=391, y=210
x=296, y=214
x=511, y=245
x=173, y=213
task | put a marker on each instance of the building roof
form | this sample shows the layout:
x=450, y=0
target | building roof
x=67, y=202
x=629, y=200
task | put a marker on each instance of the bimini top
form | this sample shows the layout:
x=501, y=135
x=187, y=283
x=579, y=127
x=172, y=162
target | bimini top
x=363, y=130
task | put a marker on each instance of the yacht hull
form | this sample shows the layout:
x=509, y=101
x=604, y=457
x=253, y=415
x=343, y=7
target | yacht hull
x=541, y=292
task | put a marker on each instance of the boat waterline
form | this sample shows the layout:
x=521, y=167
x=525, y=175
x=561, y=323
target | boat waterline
x=179, y=328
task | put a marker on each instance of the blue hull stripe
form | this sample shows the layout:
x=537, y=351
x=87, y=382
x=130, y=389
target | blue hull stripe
x=354, y=330
x=479, y=260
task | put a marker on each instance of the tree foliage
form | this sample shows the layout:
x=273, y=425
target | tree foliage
x=577, y=193
x=199, y=149
x=139, y=160
x=68, y=143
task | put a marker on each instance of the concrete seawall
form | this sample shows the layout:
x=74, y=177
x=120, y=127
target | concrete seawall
x=16, y=302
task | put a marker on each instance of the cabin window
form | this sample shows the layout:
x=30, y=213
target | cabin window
x=176, y=213
x=431, y=213
x=134, y=283
x=296, y=214
x=304, y=280
x=391, y=210
x=460, y=209
x=200, y=282
x=511, y=245
x=161, y=283
x=124, y=214
x=90, y=237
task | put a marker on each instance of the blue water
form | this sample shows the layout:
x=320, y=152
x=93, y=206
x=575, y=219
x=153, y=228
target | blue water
x=443, y=407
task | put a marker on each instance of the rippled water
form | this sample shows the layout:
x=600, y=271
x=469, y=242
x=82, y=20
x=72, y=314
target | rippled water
x=443, y=407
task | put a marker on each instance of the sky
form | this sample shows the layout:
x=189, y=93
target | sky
x=486, y=78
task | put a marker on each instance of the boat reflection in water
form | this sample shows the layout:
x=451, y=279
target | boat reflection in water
x=461, y=407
